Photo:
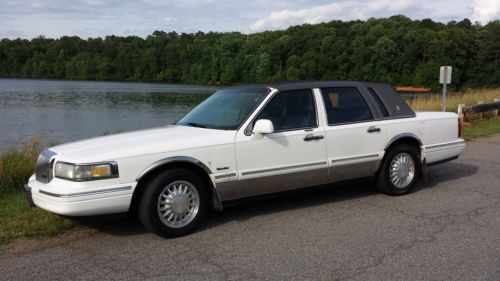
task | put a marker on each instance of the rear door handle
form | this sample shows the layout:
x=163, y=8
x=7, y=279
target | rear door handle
x=311, y=137
x=373, y=129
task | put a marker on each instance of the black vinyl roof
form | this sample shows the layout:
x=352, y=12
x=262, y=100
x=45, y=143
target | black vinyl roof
x=394, y=103
x=296, y=85
x=391, y=100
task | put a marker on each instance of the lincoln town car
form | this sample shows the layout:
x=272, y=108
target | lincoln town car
x=242, y=142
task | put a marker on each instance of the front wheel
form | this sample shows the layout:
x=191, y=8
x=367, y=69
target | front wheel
x=174, y=203
x=399, y=170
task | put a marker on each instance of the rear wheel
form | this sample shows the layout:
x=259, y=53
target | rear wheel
x=174, y=203
x=399, y=171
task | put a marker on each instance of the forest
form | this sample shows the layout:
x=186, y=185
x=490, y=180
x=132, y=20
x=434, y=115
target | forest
x=397, y=50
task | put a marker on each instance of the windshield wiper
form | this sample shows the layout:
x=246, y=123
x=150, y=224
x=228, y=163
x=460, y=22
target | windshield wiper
x=198, y=125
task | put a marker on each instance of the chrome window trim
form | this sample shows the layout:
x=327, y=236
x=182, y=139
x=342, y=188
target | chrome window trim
x=88, y=193
x=255, y=107
x=396, y=117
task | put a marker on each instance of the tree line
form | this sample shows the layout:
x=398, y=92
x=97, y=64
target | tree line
x=397, y=50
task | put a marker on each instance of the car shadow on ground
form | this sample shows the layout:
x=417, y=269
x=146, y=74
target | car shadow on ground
x=446, y=172
x=126, y=225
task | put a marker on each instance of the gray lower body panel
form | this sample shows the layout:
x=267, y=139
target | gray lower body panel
x=281, y=182
x=258, y=185
x=352, y=171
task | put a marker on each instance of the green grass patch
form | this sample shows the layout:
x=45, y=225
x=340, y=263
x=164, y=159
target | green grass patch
x=17, y=165
x=481, y=128
x=18, y=220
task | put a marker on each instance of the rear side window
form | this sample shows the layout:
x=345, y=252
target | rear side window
x=379, y=102
x=345, y=105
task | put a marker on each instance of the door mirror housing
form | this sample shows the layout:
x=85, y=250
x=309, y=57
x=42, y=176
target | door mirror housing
x=261, y=127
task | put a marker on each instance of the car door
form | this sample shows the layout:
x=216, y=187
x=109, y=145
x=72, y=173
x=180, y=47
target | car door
x=355, y=140
x=293, y=156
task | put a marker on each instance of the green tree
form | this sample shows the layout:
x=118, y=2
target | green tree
x=396, y=50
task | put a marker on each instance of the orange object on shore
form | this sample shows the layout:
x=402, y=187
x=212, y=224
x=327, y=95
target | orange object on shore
x=412, y=89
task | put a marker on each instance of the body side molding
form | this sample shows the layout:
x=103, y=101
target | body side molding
x=444, y=145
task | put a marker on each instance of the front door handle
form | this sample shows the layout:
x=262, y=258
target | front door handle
x=311, y=137
x=373, y=129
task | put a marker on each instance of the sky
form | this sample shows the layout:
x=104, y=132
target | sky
x=98, y=18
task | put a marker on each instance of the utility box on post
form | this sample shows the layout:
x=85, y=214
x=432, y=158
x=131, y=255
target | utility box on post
x=444, y=78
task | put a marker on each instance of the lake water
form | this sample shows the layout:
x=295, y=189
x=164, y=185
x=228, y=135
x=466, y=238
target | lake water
x=63, y=111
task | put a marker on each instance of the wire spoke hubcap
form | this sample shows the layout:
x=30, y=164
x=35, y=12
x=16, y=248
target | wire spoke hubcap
x=178, y=204
x=402, y=170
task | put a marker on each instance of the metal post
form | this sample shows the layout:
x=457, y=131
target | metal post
x=495, y=112
x=461, y=113
x=444, y=89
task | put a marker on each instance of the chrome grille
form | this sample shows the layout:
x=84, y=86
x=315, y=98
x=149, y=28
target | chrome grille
x=44, y=166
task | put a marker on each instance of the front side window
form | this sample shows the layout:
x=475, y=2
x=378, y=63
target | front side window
x=225, y=110
x=290, y=110
x=345, y=105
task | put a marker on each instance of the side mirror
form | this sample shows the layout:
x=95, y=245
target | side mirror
x=261, y=127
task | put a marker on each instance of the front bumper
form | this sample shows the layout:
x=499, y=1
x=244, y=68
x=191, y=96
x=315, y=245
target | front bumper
x=79, y=202
x=28, y=196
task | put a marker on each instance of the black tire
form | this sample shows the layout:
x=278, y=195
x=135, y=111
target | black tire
x=383, y=180
x=149, y=208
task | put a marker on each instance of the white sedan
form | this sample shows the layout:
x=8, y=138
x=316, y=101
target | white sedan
x=242, y=142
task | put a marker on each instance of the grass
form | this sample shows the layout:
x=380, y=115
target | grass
x=17, y=165
x=477, y=128
x=481, y=128
x=468, y=97
x=16, y=218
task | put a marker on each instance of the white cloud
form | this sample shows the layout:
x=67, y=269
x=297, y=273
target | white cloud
x=91, y=18
x=485, y=10
x=343, y=10
x=178, y=3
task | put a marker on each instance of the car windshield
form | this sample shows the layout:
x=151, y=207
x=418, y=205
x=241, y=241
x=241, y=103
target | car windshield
x=225, y=109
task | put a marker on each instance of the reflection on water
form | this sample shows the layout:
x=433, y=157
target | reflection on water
x=70, y=110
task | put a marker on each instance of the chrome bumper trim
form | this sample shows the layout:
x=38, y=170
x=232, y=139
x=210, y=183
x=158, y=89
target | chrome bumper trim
x=79, y=194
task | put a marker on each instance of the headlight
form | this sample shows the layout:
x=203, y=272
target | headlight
x=86, y=172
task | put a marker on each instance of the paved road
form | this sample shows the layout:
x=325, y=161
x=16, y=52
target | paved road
x=447, y=229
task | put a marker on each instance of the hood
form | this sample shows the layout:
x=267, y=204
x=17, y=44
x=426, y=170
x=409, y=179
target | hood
x=144, y=142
